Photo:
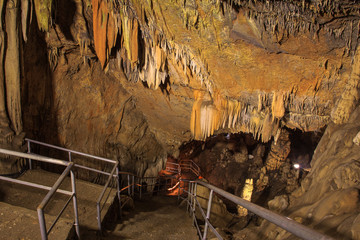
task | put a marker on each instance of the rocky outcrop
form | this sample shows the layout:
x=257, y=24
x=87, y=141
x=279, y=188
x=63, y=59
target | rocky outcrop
x=328, y=199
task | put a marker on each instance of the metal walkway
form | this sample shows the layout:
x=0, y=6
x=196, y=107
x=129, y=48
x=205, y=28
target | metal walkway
x=132, y=185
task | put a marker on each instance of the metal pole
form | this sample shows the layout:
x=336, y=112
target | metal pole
x=133, y=185
x=129, y=190
x=118, y=188
x=73, y=186
x=208, y=214
x=29, y=151
x=189, y=197
x=179, y=188
x=98, y=215
x=140, y=186
x=194, y=202
x=42, y=224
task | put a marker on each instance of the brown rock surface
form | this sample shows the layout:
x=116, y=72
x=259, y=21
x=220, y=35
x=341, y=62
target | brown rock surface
x=328, y=199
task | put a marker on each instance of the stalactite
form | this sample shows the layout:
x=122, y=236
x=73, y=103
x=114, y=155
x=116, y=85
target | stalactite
x=12, y=65
x=277, y=107
x=5, y=131
x=211, y=115
x=43, y=13
x=25, y=10
x=134, y=45
x=105, y=30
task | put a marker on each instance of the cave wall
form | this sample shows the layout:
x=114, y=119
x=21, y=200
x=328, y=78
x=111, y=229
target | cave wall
x=96, y=115
x=328, y=198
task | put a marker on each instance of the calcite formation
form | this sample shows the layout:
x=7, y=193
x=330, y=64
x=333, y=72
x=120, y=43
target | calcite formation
x=255, y=57
x=246, y=194
x=135, y=79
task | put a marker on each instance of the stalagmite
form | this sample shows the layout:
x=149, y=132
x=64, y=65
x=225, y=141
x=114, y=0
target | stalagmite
x=278, y=152
x=12, y=65
x=246, y=194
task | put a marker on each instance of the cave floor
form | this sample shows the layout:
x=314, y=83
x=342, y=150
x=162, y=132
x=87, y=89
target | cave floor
x=156, y=217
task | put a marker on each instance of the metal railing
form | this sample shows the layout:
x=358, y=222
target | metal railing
x=188, y=165
x=113, y=175
x=52, y=190
x=286, y=223
x=173, y=167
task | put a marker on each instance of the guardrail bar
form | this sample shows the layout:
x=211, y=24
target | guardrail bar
x=284, y=222
x=34, y=157
x=69, y=150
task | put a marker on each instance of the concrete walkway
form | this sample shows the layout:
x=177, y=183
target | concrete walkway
x=157, y=217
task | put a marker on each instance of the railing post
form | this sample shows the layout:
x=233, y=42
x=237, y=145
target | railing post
x=118, y=188
x=140, y=186
x=189, y=196
x=98, y=216
x=208, y=214
x=129, y=190
x=73, y=186
x=42, y=224
x=194, y=202
x=29, y=151
x=133, y=185
x=179, y=189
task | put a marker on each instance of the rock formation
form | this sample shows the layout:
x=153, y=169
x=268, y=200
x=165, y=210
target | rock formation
x=134, y=80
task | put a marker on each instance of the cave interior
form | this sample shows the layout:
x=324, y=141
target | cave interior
x=261, y=95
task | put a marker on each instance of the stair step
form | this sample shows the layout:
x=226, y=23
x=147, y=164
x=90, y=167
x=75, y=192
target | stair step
x=22, y=223
x=29, y=198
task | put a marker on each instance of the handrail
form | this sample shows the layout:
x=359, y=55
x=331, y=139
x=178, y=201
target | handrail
x=98, y=206
x=69, y=151
x=284, y=222
x=45, y=201
x=190, y=165
x=34, y=157
x=53, y=189
x=173, y=167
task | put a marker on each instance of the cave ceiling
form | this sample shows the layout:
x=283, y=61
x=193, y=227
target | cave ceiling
x=195, y=68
